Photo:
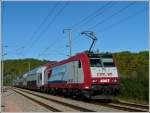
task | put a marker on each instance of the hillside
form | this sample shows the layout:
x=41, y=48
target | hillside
x=134, y=76
x=133, y=71
x=15, y=68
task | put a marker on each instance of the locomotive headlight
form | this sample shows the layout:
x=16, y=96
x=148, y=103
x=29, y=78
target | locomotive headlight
x=108, y=80
x=115, y=80
x=86, y=87
x=94, y=80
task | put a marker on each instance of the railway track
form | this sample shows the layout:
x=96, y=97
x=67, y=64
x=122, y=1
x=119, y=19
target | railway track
x=51, y=104
x=134, y=105
x=126, y=106
x=39, y=102
x=123, y=106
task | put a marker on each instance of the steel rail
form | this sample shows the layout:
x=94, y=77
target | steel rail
x=125, y=106
x=142, y=106
x=41, y=103
x=59, y=102
x=116, y=104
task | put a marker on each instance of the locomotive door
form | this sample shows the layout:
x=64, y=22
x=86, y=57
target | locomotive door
x=39, y=79
x=75, y=71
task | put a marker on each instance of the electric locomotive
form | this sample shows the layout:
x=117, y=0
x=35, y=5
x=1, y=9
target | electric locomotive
x=87, y=74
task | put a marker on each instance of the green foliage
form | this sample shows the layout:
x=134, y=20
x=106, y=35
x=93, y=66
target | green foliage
x=16, y=68
x=135, y=89
x=134, y=73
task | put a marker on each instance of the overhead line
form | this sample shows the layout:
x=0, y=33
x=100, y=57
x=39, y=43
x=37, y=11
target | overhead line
x=93, y=14
x=50, y=23
x=93, y=17
x=41, y=24
x=114, y=14
x=50, y=45
x=90, y=15
x=45, y=19
x=104, y=20
x=124, y=19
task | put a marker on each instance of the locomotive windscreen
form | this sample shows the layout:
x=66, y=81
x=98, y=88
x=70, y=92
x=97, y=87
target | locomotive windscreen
x=109, y=64
x=102, y=66
x=101, y=60
x=95, y=62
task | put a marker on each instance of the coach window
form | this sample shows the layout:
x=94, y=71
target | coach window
x=79, y=64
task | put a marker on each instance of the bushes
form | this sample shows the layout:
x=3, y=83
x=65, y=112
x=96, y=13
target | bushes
x=134, y=73
x=135, y=89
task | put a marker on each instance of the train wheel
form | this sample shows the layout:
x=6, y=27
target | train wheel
x=53, y=92
x=65, y=93
x=77, y=95
x=106, y=100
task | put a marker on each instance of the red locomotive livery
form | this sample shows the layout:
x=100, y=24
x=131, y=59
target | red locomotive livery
x=87, y=74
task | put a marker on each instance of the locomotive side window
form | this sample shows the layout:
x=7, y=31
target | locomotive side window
x=79, y=64
x=95, y=62
x=40, y=76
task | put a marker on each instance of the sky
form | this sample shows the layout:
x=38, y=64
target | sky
x=35, y=29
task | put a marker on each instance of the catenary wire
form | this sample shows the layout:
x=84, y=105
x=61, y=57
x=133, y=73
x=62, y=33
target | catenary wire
x=93, y=15
x=120, y=21
x=114, y=14
x=32, y=37
x=48, y=25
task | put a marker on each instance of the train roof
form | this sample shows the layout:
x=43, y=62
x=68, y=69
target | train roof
x=102, y=55
x=36, y=70
x=96, y=54
x=24, y=75
x=87, y=53
x=49, y=64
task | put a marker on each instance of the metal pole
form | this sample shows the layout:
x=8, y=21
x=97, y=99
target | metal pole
x=70, y=41
x=29, y=66
x=1, y=66
x=2, y=87
x=2, y=75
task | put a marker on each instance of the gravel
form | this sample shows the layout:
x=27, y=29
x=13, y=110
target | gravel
x=15, y=102
x=90, y=106
x=21, y=103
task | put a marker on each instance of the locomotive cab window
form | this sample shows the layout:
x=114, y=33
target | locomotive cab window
x=109, y=64
x=95, y=62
